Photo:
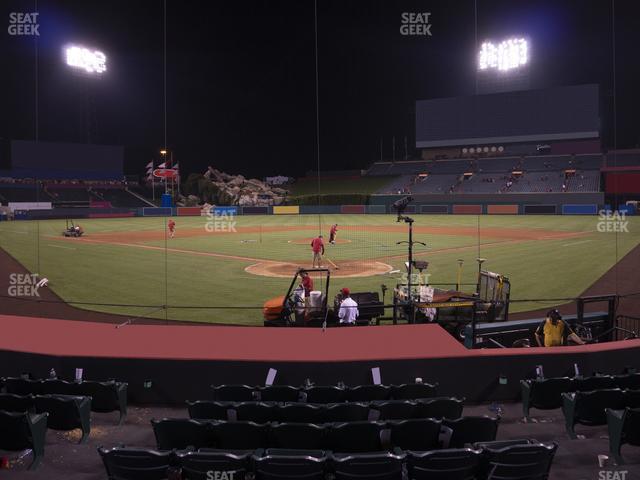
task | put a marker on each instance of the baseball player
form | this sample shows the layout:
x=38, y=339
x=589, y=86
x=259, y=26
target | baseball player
x=172, y=228
x=317, y=246
x=332, y=234
x=307, y=283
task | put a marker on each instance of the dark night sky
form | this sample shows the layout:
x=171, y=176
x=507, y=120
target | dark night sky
x=241, y=74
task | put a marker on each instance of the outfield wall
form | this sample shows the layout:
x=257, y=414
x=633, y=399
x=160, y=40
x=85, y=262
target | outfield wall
x=509, y=204
x=500, y=204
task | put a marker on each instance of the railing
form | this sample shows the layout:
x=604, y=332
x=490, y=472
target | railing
x=626, y=327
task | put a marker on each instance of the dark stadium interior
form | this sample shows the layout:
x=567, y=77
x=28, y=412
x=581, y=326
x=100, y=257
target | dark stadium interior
x=320, y=240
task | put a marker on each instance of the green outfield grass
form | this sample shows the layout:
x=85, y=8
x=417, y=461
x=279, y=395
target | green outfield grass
x=125, y=267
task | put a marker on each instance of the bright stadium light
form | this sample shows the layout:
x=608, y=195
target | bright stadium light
x=90, y=61
x=506, y=55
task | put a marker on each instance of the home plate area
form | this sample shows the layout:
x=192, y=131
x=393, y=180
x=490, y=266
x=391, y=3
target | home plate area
x=346, y=269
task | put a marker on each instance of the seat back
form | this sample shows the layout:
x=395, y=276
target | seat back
x=413, y=391
x=396, y=409
x=282, y=467
x=279, y=393
x=590, y=406
x=416, y=434
x=22, y=386
x=300, y=412
x=258, y=412
x=325, y=394
x=306, y=436
x=63, y=410
x=629, y=381
x=138, y=463
x=59, y=387
x=199, y=465
x=631, y=427
x=181, y=433
x=447, y=464
x=471, y=430
x=531, y=461
x=104, y=395
x=588, y=384
x=368, y=393
x=439, y=408
x=240, y=435
x=375, y=466
x=209, y=410
x=346, y=412
x=355, y=437
x=233, y=393
x=497, y=444
x=546, y=393
x=531, y=471
x=17, y=403
x=632, y=398
x=15, y=431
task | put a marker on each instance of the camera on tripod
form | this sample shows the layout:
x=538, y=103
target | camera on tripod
x=401, y=205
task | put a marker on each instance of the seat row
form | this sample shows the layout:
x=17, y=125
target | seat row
x=346, y=437
x=323, y=394
x=106, y=396
x=589, y=408
x=546, y=393
x=260, y=412
x=518, y=459
x=65, y=412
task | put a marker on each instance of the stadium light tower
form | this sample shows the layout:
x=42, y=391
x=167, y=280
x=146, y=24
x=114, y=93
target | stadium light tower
x=507, y=55
x=85, y=60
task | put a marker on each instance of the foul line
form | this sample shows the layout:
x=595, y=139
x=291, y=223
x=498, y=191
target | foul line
x=175, y=250
x=576, y=243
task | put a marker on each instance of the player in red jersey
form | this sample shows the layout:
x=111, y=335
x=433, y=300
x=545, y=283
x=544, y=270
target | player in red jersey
x=307, y=283
x=317, y=246
x=332, y=234
x=171, y=225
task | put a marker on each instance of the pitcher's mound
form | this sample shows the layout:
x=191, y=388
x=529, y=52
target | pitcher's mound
x=349, y=268
x=307, y=241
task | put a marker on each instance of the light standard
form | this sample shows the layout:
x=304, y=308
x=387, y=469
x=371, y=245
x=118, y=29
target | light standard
x=87, y=63
x=164, y=153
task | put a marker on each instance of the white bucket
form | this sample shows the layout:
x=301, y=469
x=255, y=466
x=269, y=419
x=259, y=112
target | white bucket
x=315, y=300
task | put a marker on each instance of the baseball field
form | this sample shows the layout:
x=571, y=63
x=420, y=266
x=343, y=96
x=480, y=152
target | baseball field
x=223, y=272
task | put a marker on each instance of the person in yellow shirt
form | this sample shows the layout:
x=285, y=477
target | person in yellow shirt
x=554, y=332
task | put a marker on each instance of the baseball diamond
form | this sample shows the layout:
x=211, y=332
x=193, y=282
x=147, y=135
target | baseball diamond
x=544, y=256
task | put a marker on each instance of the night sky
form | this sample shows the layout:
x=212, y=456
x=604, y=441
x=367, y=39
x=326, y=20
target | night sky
x=241, y=74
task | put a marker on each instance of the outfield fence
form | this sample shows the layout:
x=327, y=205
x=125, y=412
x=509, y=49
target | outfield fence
x=492, y=208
